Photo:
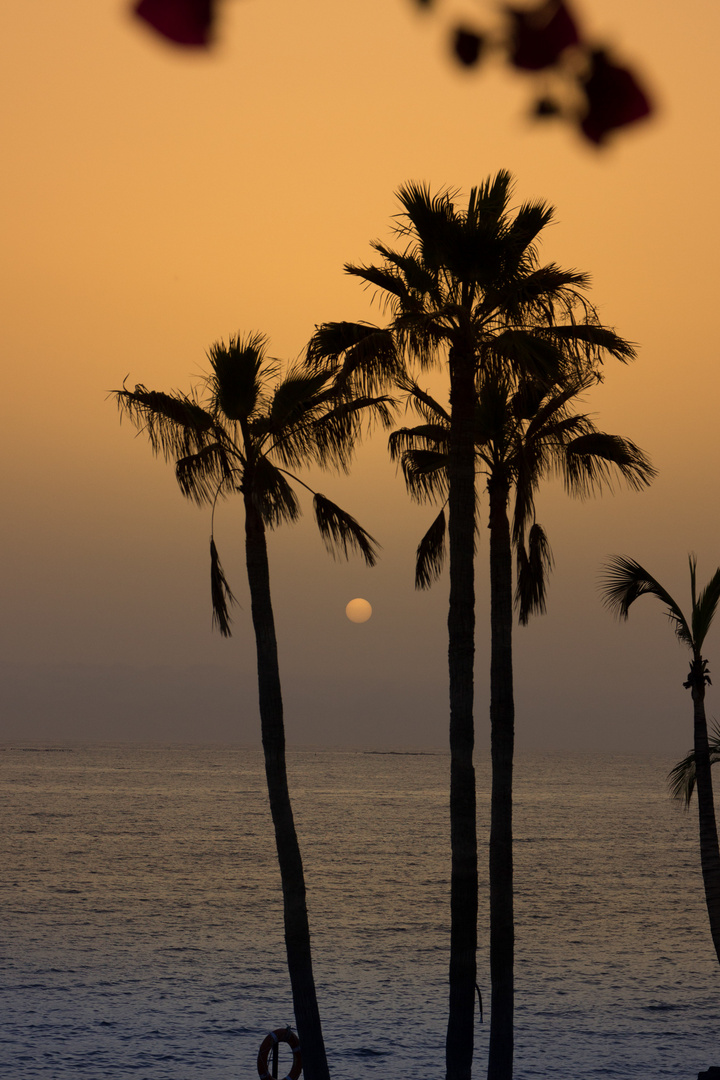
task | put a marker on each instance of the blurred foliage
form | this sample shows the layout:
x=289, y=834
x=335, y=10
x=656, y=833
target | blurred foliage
x=577, y=80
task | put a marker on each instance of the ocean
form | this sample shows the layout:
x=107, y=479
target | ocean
x=142, y=937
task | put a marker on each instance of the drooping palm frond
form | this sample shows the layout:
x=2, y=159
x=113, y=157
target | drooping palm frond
x=200, y=475
x=528, y=354
x=271, y=493
x=625, y=581
x=362, y=358
x=430, y=556
x=424, y=436
x=543, y=289
x=591, y=460
x=425, y=474
x=533, y=568
x=681, y=779
x=175, y=424
x=221, y=593
x=600, y=338
x=704, y=608
x=341, y=532
x=388, y=281
x=430, y=409
x=423, y=335
x=418, y=277
x=328, y=431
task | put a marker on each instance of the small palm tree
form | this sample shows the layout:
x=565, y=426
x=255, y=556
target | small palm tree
x=466, y=291
x=682, y=779
x=625, y=581
x=524, y=432
x=241, y=433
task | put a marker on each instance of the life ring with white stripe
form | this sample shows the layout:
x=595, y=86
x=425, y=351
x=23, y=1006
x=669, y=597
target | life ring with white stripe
x=286, y=1035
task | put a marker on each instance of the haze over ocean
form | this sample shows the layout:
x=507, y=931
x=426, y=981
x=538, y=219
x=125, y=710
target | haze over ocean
x=142, y=929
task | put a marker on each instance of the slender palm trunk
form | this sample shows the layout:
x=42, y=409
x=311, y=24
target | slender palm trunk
x=297, y=929
x=709, y=851
x=502, y=728
x=461, y=654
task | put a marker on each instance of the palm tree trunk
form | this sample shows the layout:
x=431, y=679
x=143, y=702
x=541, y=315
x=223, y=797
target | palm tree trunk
x=502, y=728
x=709, y=851
x=297, y=929
x=461, y=655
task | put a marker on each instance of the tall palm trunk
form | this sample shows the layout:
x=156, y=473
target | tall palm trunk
x=461, y=654
x=297, y=929
x=502, y=728
x=709, y=851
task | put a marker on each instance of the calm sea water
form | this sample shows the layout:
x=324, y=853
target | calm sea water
x=142, y=928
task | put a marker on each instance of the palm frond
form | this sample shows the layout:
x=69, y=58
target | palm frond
x=221, y=593
x=423, y=402
x=529, y=221
x=240, y=370
x=489, y=200
x=705, y=607
x=425, y=473
x=386, y=280
x=331, y=339
x=200, y=475
x=424, y=436
x=272, y=494
x=364, y=357
x=600, y=339
x=430, y=557
x=625, y=581
x=682, y=779
x=591, y=460
x=528, y=354
x=431, y=220
x=329, y=430
x=175, y=424
x=533, y=568
x=294, y=396
x=341, y=533
x=416, y=275
x=536, y=291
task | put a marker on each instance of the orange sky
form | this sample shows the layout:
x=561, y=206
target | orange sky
x=155, y=201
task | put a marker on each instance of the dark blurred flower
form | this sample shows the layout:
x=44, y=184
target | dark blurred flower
x=186, y=22
x=546, y=107
x=539, y=35
x=614, y=98
x=467, y=46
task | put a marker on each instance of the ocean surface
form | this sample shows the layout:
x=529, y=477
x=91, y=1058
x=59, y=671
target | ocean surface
x=141, y=931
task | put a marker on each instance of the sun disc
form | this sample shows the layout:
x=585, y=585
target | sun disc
x=358, y=610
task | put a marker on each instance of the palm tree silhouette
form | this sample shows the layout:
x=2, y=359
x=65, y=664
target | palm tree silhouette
x=466, y=290
x=241, y=433
x=525, y=432
x=625, y=581
x=681, y=779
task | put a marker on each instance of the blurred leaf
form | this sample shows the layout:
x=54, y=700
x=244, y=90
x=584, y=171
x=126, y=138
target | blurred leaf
x=541, y=34
x=467, y=46
x=614, y=98
x=184, y=22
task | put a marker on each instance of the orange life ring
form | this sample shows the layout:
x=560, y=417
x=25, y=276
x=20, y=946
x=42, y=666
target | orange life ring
x=288, y=1036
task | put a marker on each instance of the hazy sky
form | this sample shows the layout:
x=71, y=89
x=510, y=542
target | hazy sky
x=155, y=201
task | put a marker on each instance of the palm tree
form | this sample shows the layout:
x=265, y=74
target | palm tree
x=242, y=432
x=625, y=581
x=466, y=290
x=524, y=432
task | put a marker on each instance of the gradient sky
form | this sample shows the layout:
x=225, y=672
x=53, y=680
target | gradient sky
x=155, y=201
